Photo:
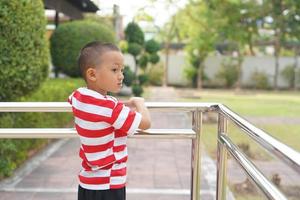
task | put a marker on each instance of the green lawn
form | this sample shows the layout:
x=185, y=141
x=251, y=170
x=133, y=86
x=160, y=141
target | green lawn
x=255, y=104
x=288, y=134
x=284, y=104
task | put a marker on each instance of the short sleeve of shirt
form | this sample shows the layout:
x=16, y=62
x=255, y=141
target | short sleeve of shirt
x=125, y=119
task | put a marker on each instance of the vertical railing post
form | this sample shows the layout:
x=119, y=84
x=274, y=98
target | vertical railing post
x=221, y=160
x=196, y=156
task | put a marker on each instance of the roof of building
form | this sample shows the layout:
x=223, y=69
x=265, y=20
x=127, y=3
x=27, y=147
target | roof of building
x=72, y=8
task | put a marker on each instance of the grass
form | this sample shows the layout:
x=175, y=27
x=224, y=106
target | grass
x=288, y=134
x=283, y=104
x=254, y=104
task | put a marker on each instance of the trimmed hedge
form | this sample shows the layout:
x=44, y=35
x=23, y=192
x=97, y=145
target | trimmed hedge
x=134, y=34
x=14, y=152
x=260, y=80
x=24, y=57
x=128, y=76
x=69, y=38
x=228, y=72
x=152, y=46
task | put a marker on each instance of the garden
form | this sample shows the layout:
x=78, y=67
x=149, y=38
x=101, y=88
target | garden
x=35, y=67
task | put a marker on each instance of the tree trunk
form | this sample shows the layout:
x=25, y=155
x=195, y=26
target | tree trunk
x=250, y=43
x=239, y=71
x=199, y=76
x=56, y=72
x=200, y=70
x=135, y=70
x=295, y=69
x=165, y=81
x=277, y=47
x=56, y=22
x=276, y=72
x=276, y=54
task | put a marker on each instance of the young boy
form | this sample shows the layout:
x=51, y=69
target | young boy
x=103, y=123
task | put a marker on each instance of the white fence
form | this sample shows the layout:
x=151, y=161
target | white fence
x=265, y=64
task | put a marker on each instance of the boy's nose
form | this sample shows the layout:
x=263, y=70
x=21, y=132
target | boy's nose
x=121, y=77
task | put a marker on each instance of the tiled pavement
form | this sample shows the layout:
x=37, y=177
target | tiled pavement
x=157, y=169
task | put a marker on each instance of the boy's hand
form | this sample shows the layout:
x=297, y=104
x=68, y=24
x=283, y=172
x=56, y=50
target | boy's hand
x=138, y=104
x=137, y=101
x=134, y=102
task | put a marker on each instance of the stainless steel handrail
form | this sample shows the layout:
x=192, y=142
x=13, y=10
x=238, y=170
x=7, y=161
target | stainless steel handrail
x=259, y=179
x=71, y=133
x=65, y=107
x=275, y=147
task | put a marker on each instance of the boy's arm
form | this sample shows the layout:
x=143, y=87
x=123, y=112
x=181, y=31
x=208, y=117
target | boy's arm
x=139, y=105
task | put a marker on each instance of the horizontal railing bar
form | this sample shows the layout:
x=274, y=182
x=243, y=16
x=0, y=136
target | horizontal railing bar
x=275, y=147
x=282, y=151
x=66, y=107
x=251, y=170
x=35, y=107
x=71, y=132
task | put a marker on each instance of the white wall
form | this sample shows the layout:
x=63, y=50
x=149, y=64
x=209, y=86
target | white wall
x=266, y=64
x=251, y=64
x=176, y=66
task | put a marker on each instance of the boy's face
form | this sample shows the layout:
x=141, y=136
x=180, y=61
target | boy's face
x=108, y=76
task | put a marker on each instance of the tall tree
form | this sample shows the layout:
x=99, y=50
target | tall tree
x=168, y=34
x=283, y=17
x=198, y=28
x=240, y=26
x=143, y=52
x=292, y=15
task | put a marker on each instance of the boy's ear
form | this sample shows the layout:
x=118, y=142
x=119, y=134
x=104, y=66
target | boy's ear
x=91, y=74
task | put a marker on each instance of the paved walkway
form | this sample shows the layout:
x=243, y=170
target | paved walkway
x=157, y=169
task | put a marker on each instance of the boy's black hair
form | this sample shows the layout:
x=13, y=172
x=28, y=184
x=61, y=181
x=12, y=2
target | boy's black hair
x=90, y=55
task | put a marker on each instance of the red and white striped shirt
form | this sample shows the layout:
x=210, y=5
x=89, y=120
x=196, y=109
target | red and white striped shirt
x=103, y=125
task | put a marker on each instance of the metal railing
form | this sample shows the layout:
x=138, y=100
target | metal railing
x=275, y=147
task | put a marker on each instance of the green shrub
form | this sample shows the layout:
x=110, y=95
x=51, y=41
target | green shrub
x=13, y=152
x=143, y=79
x=143, y=61
x=128, y=76
x=24, y=57
x=123, y=45
x=191, y=74
x=260, y=80
x=298, y=76
x=228, y=72
x=155, y=75
x=134, y=49
x=154, y=58
x=134, y=34
x=288, y=74
x=137, y=90
x=151, y=46
x=69, y=38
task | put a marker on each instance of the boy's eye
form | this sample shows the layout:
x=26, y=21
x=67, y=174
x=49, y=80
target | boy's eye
x=114, y=69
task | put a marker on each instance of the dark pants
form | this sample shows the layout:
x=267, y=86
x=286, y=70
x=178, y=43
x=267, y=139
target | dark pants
x=111, y=194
